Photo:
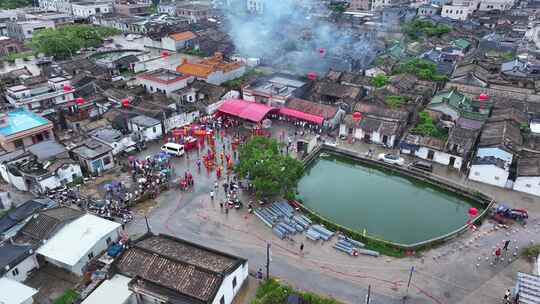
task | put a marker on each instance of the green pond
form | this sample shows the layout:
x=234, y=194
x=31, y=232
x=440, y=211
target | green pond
x=389, y=206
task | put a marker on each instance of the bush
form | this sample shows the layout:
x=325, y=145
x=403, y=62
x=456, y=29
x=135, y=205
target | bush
x=423, y=69
x=427, y=127
x=68, y=297
x=532, y=252
x=273, y=292
x=379, y=81
x=417, y=28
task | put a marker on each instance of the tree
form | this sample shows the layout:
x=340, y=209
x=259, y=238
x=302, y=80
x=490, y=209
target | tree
x=379, y=81
x=65, y=41
x=270, y=172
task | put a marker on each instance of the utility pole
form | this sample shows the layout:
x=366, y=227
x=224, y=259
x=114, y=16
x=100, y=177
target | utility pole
x=408, y=284
x=267, y=260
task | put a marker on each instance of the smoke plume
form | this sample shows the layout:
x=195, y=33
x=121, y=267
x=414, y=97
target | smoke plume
x=287, y=36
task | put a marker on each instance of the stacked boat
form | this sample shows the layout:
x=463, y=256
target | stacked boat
x=318, y=232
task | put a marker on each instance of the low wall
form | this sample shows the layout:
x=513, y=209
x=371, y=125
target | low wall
x=475, y=196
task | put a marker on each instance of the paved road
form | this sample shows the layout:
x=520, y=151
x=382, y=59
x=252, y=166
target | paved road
x=447, y=274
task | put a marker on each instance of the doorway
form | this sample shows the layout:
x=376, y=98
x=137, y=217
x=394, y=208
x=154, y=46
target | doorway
x=430, y=154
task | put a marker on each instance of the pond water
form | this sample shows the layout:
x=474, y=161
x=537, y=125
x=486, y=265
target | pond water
x=388, y=206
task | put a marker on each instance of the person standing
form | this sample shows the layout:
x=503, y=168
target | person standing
x=505, y=247
x=302, y=249
x=507, y=296
x=212, y=195
x=497, y=254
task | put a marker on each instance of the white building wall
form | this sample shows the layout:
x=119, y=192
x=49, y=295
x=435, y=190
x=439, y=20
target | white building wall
x=456, y=12
x=66, y=174
x=99, y=247
x=226, y=289
x=20, y=271
x=439, y=157
x=152, y=86
x=528, y=184
x=489, y=174
x=495, y=152
x=50, y=182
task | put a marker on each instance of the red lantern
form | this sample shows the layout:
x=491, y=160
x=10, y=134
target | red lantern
x=483, y=96
x=357, y=116
x=79, y=101
x=165, y=54
x=312, y=76
x=125, y=102
x=67, y=87
x=473, y=212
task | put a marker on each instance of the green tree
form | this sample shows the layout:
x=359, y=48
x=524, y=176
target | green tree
x=11, y=4
x=270, y=172
x=379, y=81
x=65, y=41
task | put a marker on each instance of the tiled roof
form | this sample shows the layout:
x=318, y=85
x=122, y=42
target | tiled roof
x=195, y=69
x=313, y=108
x=501, y=133
x=182, y=36
x=45, y=224
x=176, y=268
x=528, y=166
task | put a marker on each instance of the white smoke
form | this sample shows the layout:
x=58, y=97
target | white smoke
x=287, y=36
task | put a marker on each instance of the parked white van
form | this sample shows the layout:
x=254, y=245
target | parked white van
x=173, y=149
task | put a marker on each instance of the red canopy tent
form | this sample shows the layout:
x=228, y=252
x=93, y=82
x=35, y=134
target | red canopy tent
x=244, y=109
x=301, y=115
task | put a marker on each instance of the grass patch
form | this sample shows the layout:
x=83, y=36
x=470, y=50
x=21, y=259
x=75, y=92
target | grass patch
x=395, y=101
x=13, y=56
x=69, y=297
x=274, y=292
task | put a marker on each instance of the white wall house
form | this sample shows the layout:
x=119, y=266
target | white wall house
x=18, y=293
x=491, y=166
x=528, y=175
x=163, y=81
x=178, y=41
x=80, y=241
x=255, y=6
x=148, y=127
x=20, y=271
x=456, y=12
x=501, y=5
x=85, y=10
x=436, y=156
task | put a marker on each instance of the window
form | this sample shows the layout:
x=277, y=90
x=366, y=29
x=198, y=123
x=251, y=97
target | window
x=154, y=129
x=108, y=240
x=234, y=282
x=528, y=185
x=18, y=144
x=107, y=160
x=222, y=300
x=90, y=255
x=497, y=178
x=15, y=272
x=476, y=173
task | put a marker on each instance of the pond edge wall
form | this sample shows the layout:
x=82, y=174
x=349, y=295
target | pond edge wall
x=437, y=181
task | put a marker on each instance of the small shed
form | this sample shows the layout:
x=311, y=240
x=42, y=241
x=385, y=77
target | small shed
x=18, y=292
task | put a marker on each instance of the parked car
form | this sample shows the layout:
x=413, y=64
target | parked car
x=173, y=149
x=391, y=159
x=422, y=165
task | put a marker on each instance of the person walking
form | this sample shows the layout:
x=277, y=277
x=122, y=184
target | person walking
x=507, y=296
x=212, y=195
x=505, y=247
x=302, y=249
x=497, y=254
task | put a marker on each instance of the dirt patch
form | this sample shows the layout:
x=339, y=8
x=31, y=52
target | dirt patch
x=144, y=207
